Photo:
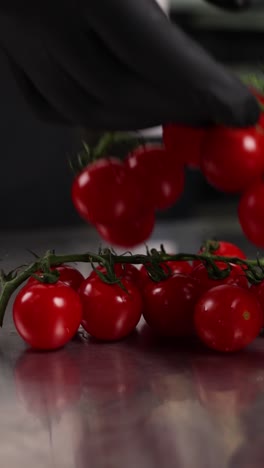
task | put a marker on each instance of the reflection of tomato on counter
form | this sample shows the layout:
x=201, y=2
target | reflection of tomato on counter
x=110, y=374
x=48, y=382
x=228, y=386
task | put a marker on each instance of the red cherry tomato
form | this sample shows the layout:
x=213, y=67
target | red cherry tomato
x=250, y=212
x=162, y=175
x=228, y=318
x=232, y=159
x=47, y=316
x=225, y=249
x=169, y=305
x=184, y=143
x=105, y=191
x=128, y=234
x=236, y=277
x=109, y=312
x=125, y=271
x=176, y=267
x=68, y=275
x=258, y=291
x=47, y=382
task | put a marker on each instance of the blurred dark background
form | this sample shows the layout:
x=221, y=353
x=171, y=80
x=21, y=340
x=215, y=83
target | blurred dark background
x=35, y=177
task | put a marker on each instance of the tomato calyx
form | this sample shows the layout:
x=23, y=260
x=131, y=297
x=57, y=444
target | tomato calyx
x=216, y=273
x=210, y=246
x=48, y=277
x=89, y=153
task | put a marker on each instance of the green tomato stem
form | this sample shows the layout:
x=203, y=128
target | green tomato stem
x=107, y=259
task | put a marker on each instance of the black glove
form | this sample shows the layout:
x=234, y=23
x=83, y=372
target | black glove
x=117, y=64
x=237, y=4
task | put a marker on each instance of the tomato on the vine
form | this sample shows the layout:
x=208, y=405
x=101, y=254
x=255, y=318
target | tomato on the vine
x=122, y=270
x=224, y=249
x=173, y=267
x=47, y=316
x=105, y=192
x=68, y=275
x=109, y=312
x=258, y=291
x=184, y=143
x=250, y=212
x=227, y=249
x=228, y=318
x=236, y=277
x=169, y=305
x=160, y=174
x=128, y=234
x=232, y=159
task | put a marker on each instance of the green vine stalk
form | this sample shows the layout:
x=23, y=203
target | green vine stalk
x=254, y=269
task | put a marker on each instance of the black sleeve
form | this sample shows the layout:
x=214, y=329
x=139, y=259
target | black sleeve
x=115, y=64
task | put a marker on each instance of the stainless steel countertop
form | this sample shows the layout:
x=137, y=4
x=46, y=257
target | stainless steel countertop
x=140, y=403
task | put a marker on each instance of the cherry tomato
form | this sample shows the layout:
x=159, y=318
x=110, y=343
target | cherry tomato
x=250, y=212
x=47, y=382
x=124, y=271
x=105, y=191
x=227, y=249
x=162, y=175
x=169, y=305
x=176, y=267
x=47, y=316
x=68, y=275
x=224, y=249
x=109, y=312
x=232, y=159
x=128, y=234
x=236, y=277
x=184, y=143
x=258, y=291
x=228, y=318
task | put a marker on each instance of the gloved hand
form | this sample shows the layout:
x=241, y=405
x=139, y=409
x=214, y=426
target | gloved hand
x=231, y=4
x=237, y=4
x=117, y=65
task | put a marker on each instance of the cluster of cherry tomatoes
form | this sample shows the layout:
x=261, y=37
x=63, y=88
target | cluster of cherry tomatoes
x=224, y=313
x=120, y=198
x=232, y=161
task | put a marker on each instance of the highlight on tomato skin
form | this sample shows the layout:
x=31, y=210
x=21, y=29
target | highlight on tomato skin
x=228, y=318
